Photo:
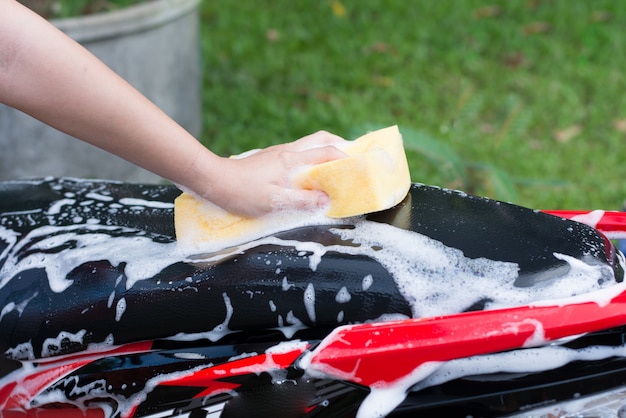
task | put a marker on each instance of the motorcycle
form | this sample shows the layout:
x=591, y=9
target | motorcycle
x=447, y=303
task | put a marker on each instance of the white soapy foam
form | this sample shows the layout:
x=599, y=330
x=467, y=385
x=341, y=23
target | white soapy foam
x=130, y=201
x=10, y=238
x=367, y=282
x=22, y=212
x=51, y=346
x=323, y=371
x=190, y=356
x=90, y=393
x=216, y=333
x=111, y=299
x=144, y=257
x=592, y=218
x=242, y=356
x=56, y=207
x=19, y=307
x=343, y=296
x=99, y=196
x=538, y=337
x=525, y=361
x=23, y=351
x=269, y=365
x=340, y=316
x=309, y=301
x=440, y=280
x=290, y=325
x=382, y=399
x=286, y=284
x=120, y=308
x=601, y=297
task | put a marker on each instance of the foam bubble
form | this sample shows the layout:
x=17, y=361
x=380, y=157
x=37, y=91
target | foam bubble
x=290, y=325
x=367, y=282
x=119, y=309
x=309, y=301
x=59, y=250
x=56, y=207
x=51, y=346
x=343, y=296
x=216, y=333
x=440, y=280
x=99, y=196
x=592, y=218
x=382, y=399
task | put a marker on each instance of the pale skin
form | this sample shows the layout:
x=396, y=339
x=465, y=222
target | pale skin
x=46, y=74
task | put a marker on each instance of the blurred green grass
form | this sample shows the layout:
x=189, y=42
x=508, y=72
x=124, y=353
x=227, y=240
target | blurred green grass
x=519, y=100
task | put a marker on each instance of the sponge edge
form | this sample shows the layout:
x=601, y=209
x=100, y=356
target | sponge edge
x=202, y=225
x=200, y=222
x=375, y=176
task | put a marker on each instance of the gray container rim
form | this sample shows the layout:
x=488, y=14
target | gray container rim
x=133, y=19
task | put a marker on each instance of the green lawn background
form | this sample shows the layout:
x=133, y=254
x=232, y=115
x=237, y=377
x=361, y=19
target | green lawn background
x=517, y=100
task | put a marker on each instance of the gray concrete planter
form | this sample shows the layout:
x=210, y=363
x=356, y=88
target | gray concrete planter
x=155, y=47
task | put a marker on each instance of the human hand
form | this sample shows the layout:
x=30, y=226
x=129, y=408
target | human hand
x=259, y=182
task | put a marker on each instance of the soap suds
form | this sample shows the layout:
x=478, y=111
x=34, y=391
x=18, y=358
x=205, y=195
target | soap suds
x=383, y=399
x=309, y=301
x=367, y=282
x=119, y=309
x=60, y=249
x=216, y=333
x=53, y=345
x=343, y=296
x=439, y=280
x=99, y=196
x=57, y=206
x=529, y=360
x=592, y=218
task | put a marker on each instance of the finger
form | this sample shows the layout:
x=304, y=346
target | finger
x=289, y=199
x=317, y=139
x=314, y=156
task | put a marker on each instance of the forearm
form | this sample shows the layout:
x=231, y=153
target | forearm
x=49, y=76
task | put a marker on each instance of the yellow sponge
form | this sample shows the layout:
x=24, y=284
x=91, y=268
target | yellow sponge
x=373, y=177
